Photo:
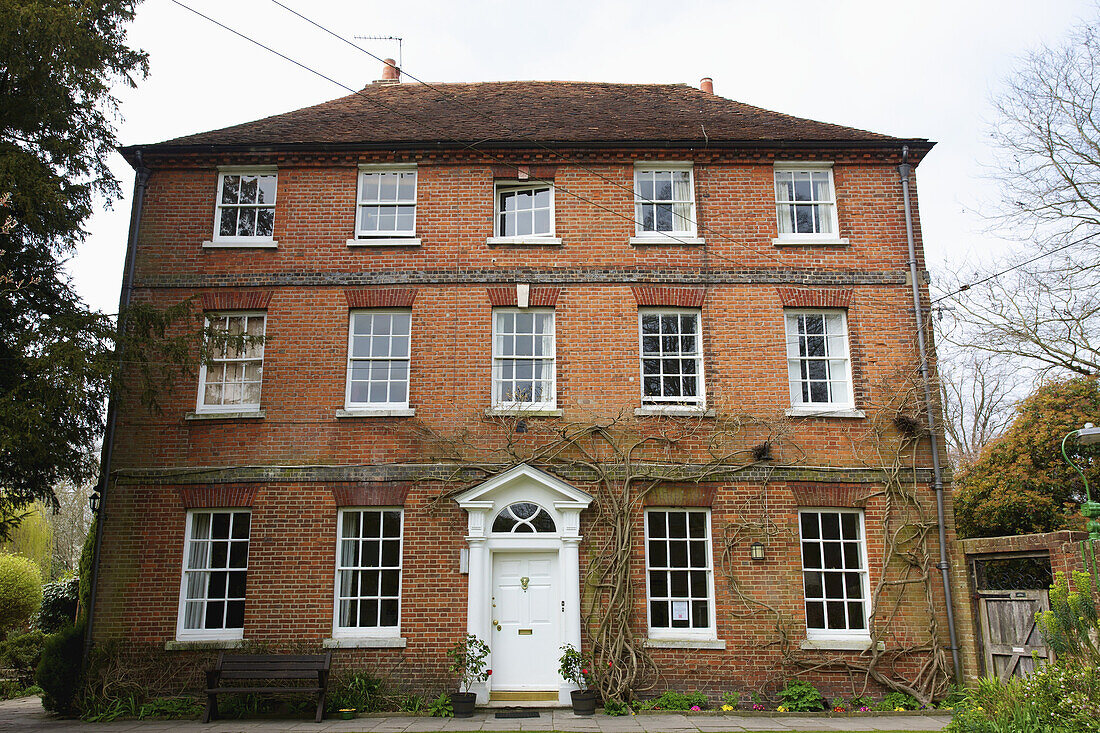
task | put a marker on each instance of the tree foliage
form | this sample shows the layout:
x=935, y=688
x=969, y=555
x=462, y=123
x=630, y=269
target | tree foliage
x=1020, y=482
x=20, y=591
x=59, y=60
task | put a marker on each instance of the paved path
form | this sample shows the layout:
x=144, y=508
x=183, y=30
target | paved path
x=26, y=715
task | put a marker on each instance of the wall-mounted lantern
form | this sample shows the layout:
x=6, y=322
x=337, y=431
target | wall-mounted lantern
x=756, y=551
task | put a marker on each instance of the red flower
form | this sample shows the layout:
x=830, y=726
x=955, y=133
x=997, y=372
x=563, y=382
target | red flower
x=488, y=672
x=609, y=664
x=584, y=671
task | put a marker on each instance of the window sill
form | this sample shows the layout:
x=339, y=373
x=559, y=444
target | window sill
x=365, y=642
x=177, y=645
x=841, y=412
x=385, y=242
x=536, y=240
x=667, y=239
x=679, y=410
x=685, y=643
x=376, y=412
x=243, y=415
x=853, y=644
x=810, y=241
x=521, y=412
x=243, y=244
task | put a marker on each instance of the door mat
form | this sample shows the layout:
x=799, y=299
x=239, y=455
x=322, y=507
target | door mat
x=517, y=713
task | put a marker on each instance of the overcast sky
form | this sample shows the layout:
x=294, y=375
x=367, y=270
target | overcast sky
x=908, y=69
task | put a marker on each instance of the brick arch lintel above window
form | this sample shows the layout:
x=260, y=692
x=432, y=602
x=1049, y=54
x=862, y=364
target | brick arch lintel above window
x=820, y=494
x=524, y=172
x=681, y=495
x=815, y=297
x=539, y=297
x=370, y=493
x=380, y=297
x=663, y=295
x=236, y=300
x=216, y=496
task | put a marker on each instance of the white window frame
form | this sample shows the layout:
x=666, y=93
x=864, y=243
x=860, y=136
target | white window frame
x=689, y=233
x=367, y=632
x=501, y=187
x=375, y=237
x=863, y=634
x=545, y=405
x=200, y=406
x=848, y=403
x=700, y=400
x=184, y=634
x=710, y=632
x=782, y=237
x=353, y=406
x=223, y=171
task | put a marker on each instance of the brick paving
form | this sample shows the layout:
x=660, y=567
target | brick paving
x=26, y=715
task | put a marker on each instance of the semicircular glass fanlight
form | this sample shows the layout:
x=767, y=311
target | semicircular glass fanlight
x=524, y=516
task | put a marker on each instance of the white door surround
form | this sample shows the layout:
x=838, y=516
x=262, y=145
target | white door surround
x=564, y=505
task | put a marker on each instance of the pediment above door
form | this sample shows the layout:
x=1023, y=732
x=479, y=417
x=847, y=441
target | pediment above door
x=524, y=483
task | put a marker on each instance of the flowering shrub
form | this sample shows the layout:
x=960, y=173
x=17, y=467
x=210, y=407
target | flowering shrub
x=800, y=696
x=1056, y=698
x=574, y=667
x=468, y=657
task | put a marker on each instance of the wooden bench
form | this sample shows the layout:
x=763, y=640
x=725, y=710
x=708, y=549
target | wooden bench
x=312, y=667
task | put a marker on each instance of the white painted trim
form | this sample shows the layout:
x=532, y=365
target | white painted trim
x=831, y=637
x=472, y=498
x=701, y=385
x=531, y=240
x=366, y=241
x=185, y=636
x=248, y=415
x=679, y=410
x=241, y=244
x=503, y=186
x=385, y=168
x=806, y=240
x=854, y=644
x=379, y=412
x=235, y=241
x=824, y=411
x=710, y=633
x=653, y=166
x=665, y=238
x=548, y=406
x=658, y=643
x=365, y=642
x=244, y=409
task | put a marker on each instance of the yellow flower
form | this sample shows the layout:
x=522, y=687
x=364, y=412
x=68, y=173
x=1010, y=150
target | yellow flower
x=781, y=709
x=727, y=708
x=899, y=710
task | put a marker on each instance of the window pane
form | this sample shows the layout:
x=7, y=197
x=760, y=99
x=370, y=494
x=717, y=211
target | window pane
x=815, y=614
x=830, y=526
x=658, y=614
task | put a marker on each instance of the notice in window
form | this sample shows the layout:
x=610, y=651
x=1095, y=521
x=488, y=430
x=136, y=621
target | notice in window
x=679, y=610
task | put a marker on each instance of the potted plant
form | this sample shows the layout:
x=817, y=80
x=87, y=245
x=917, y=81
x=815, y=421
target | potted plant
x=575, y=668
x=468, y=662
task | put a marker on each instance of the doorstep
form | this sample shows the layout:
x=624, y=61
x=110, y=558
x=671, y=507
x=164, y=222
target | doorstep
x=524, y=699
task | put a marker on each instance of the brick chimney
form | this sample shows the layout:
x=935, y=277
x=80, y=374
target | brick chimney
x=707, y=84
x=390, y=73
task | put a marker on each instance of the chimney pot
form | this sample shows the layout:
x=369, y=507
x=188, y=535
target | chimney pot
x=390, y=72
x=707, y=84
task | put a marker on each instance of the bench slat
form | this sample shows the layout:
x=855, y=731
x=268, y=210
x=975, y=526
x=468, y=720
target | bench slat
x=263, y=689
x=273, y=674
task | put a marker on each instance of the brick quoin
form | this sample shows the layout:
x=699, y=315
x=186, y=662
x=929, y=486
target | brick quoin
x=303, y=460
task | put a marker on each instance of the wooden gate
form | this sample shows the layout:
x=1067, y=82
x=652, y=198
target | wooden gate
x=1009, y=589
x=1009, y=633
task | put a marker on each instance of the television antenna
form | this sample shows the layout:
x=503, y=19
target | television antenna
x=399, y=40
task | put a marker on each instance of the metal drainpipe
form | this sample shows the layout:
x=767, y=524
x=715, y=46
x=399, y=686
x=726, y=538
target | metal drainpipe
x=141, y=181
x=937, y=473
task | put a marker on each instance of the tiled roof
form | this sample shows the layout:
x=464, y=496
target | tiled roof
x=515, y=112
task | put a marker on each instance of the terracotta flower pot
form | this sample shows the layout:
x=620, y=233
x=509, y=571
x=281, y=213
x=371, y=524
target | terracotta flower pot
x=584, y=702
x=462, y=704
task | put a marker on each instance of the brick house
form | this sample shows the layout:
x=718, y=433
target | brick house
x=453, y=284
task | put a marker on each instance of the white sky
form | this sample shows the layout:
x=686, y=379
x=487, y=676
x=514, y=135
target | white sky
x=908, y=69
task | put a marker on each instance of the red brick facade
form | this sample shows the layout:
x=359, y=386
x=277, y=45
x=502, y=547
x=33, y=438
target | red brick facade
x=304, y=459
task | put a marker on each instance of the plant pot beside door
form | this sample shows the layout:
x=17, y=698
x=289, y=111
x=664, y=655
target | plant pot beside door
x=468, y=657
x=576, y=669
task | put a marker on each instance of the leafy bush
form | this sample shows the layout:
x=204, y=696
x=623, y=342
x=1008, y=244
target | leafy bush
x=676, y=701
x=59, y=601
x=898, y=701
x=412, y=703
x=20, y=591
x=733, y=699
x=84, y=567
x=59, y=671
x=1071, y=623
x=358, y=691
x=800, y=696
x=1056, y=698
x=441, y=707
x=468, y=657
x=612, y=707
x=22, y=653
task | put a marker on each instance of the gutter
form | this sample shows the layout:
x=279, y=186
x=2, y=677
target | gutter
x=937, y=472
x=141, y=182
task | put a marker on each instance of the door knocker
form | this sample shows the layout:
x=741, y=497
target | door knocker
x=523, y=583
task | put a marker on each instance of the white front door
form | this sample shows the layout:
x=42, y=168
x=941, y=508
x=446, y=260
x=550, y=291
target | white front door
x=526, y=615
